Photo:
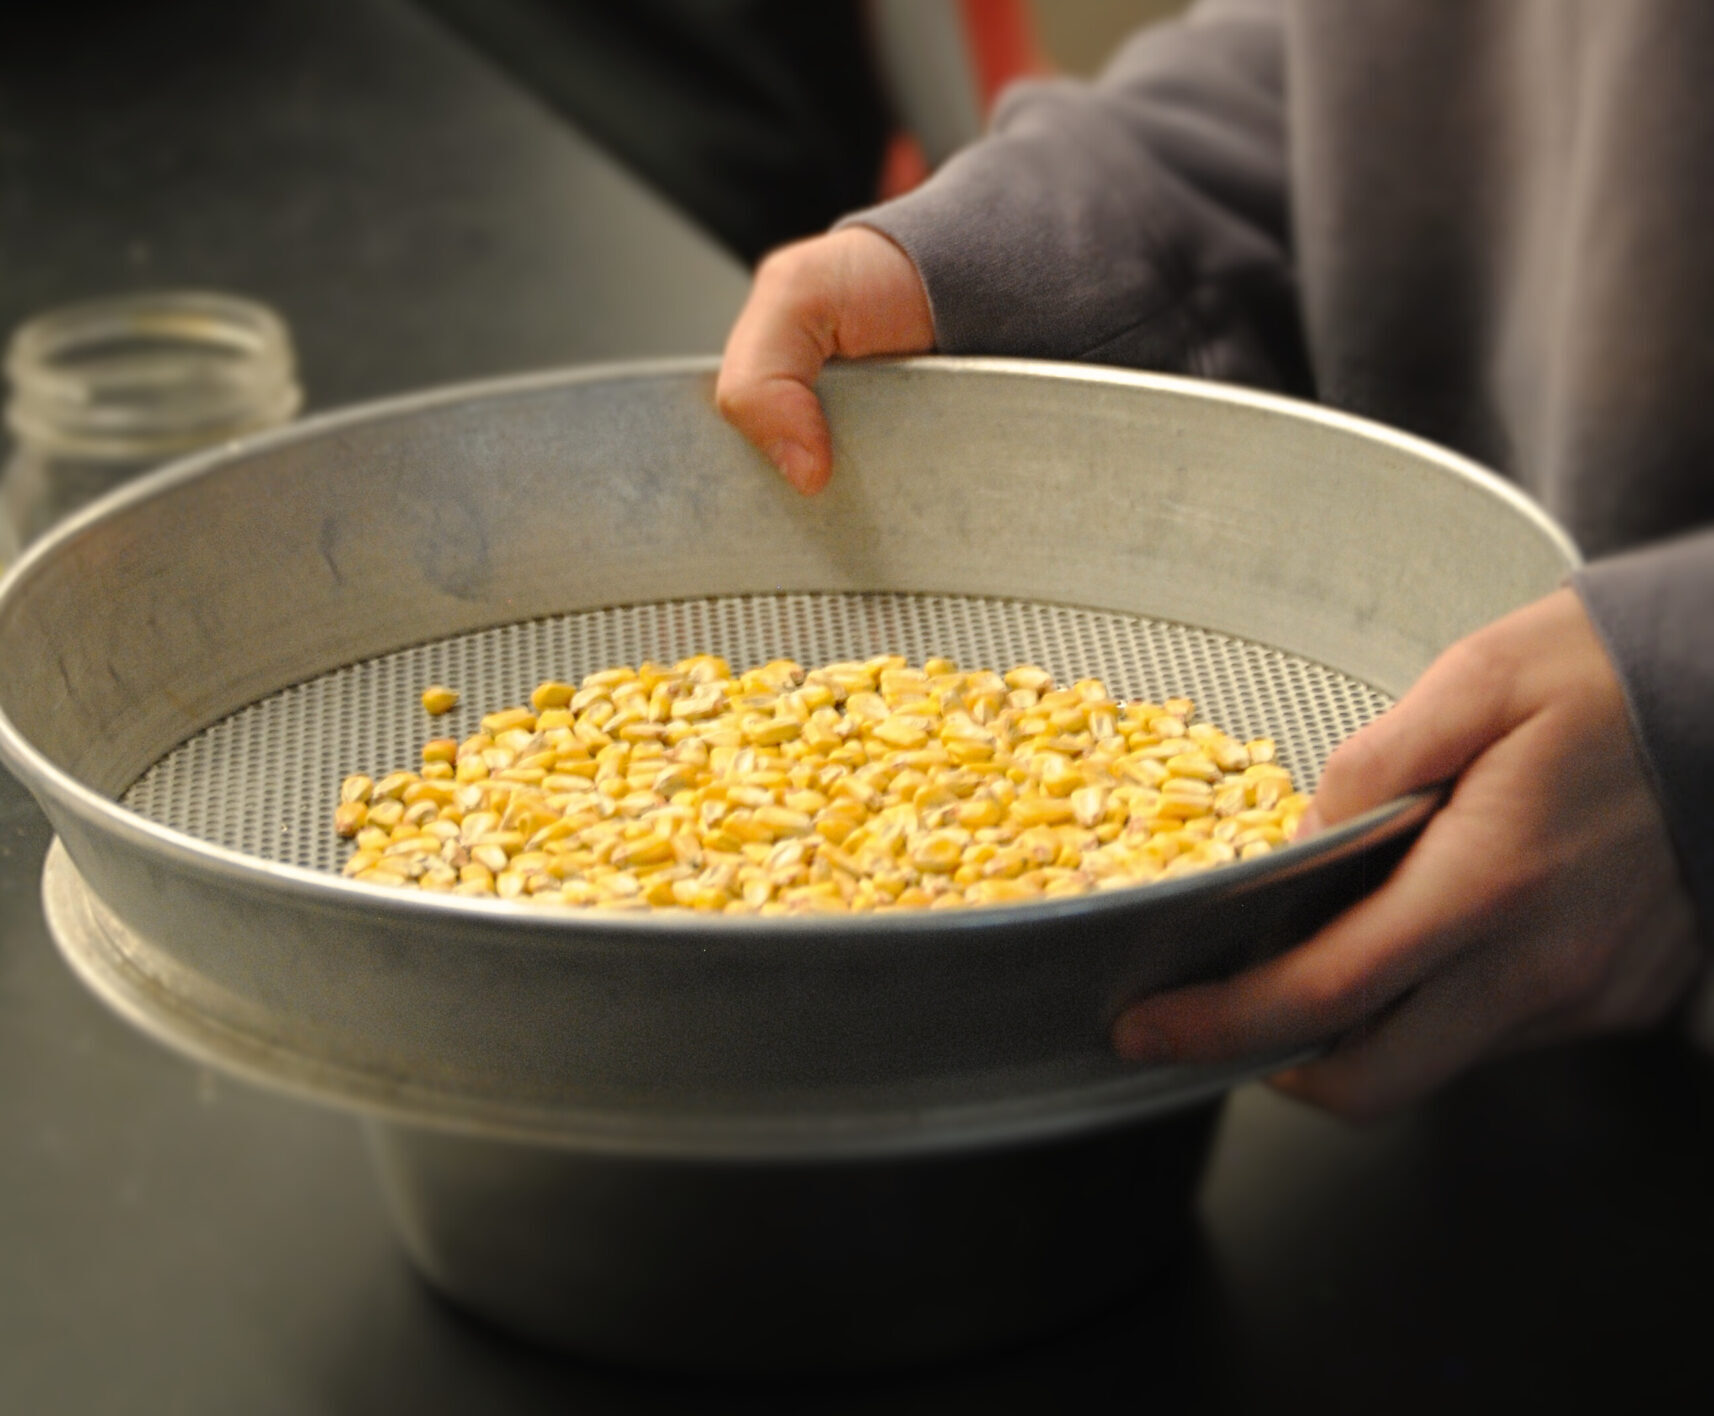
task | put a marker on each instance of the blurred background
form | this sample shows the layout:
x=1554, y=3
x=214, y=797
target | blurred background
x=345, y=157
x=1078, y=34
x=415, y=192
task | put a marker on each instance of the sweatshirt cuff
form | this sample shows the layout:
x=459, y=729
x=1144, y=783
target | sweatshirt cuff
x=1020, y=256
x=1654, y=611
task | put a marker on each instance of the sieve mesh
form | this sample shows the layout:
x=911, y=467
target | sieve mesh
x=265, y=780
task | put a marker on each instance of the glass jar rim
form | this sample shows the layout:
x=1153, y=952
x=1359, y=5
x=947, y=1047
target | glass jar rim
x=211, y=366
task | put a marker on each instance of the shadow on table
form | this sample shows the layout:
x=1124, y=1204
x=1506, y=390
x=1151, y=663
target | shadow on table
x=409, y=1350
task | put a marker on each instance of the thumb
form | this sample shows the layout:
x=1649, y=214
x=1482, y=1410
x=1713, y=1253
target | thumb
x=851, y=293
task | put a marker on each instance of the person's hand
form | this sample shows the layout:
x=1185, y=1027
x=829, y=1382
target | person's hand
x=1543, y=901
x=848, y=294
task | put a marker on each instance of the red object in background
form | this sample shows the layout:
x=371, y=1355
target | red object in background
x=903, y=165
x=1002, y=46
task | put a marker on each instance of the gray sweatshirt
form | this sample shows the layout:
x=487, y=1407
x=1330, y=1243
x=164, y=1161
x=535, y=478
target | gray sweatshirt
x=1490, y=222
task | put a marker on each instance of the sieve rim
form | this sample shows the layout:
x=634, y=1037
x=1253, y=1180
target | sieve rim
x=87, y=943
x=185, y=469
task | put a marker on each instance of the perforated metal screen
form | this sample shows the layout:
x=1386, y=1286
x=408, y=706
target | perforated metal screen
x=266, y=779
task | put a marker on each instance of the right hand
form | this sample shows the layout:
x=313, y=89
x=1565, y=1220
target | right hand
x=850, y=293
x=1543, y=902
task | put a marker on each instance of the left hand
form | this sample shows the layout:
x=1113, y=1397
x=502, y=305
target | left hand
x=1543, y=901
x=849, y=293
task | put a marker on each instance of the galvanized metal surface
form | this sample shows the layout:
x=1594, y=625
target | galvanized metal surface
x=560, y=494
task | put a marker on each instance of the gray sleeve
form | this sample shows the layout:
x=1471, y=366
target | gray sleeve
x=1654, y=611
x=1138, y=220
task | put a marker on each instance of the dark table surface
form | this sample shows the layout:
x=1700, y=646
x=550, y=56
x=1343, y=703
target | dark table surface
x=1541, y=1235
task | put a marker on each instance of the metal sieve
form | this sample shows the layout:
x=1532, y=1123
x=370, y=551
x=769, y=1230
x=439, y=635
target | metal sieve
x=201, y=657
x=264, y=781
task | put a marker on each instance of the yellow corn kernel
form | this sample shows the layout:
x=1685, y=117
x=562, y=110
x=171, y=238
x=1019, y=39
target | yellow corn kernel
x=1041, y=811
x=440, y=750
x=386, y=813
x=438, y=699
x=898, y=731
x=939, y=851
x=1089, y=806
x=438, y=793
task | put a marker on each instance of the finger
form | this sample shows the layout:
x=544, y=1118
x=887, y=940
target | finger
x=1433, y=906
x=1468, y=1013
x=1582, y=947
x=1439, y=1029
x=1461, y=705
x=851, y=294
x=767, y=378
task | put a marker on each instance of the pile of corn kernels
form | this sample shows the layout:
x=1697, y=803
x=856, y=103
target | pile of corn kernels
x=847, y=788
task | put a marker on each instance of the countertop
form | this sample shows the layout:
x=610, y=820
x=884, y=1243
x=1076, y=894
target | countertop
x=173, y=1241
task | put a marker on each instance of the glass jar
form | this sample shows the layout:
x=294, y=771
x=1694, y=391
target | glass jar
x=105, y=390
